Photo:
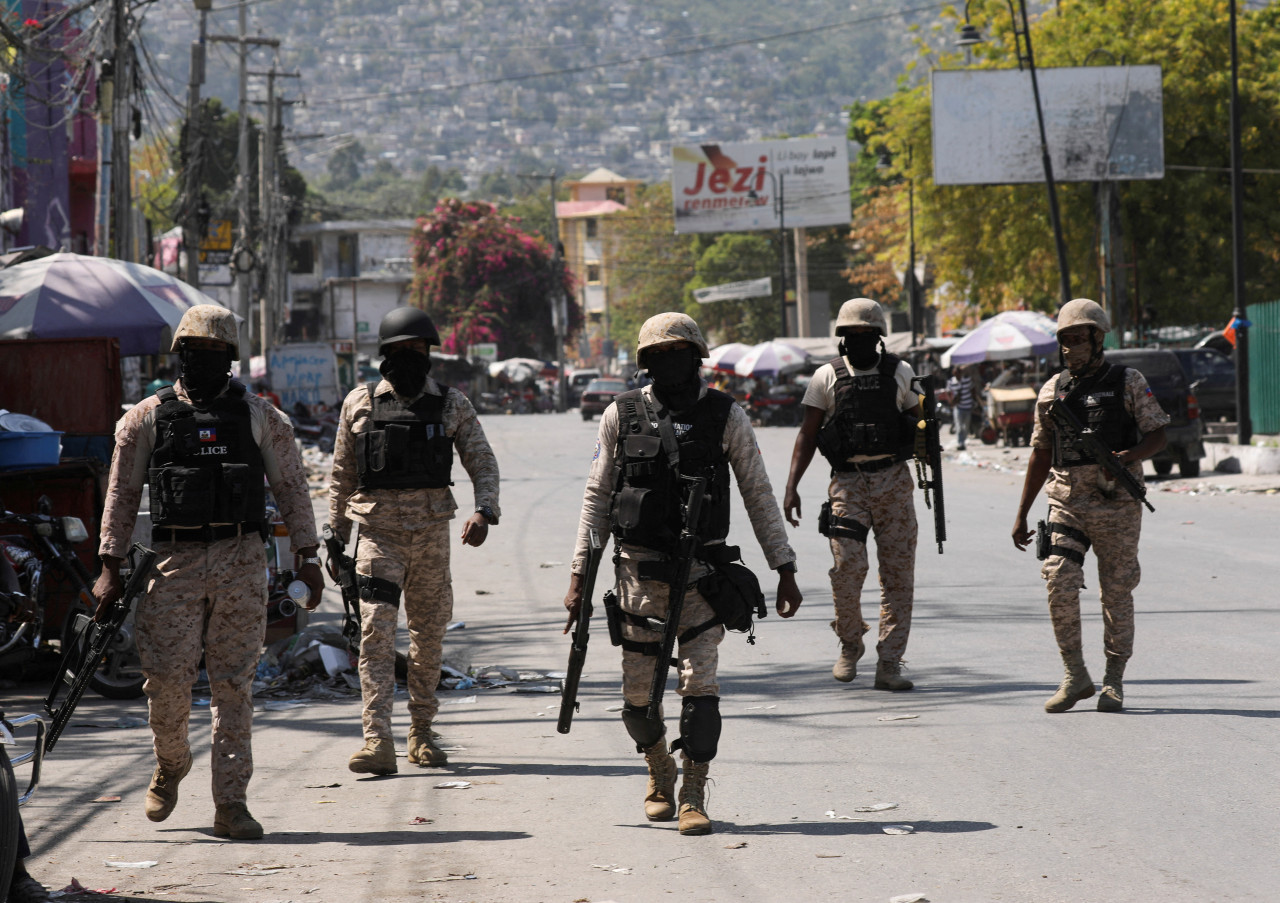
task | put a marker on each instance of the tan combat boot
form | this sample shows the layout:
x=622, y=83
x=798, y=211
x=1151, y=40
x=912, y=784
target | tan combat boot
x=660, y=795
x=378, y=756
x=162, y=795
x=423, y=751
x=846, y=667
x=889, y=676
x=693, y=798
x=233, y=820
x=1112, y=697
x=1076, y=685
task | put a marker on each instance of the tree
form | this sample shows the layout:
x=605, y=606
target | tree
x=483, y=279
x=734, y=257
x=344, y=165
x=652, y=265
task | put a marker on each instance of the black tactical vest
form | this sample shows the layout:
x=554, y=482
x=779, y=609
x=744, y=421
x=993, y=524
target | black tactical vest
x=866, y=420
x=206, y=467
x=1099, y=405
x=647, y=494
x=407, y=447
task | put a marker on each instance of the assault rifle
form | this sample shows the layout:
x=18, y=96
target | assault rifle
x=686, y=548
x=578, y=647
x=929, y=453
x=84, y=655
x=342, y=568
x=1087, y=441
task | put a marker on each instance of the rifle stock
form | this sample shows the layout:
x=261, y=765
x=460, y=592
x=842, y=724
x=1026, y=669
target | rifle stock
x=342, y=568
x=687, y=548
x=1097, y=449
x=581, y=635
x=84, y=655
x=932, y=457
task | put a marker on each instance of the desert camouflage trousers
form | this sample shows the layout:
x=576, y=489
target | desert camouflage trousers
x=209, y=599
x=882, y=502
x=1113, y=528
x=698, y=658
x=418, y=562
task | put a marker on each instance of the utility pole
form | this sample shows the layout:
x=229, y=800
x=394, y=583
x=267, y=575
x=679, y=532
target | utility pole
x=241, y=251
x=1239, y=316
x=193, y=233
x=121, y=104
x=274, y=247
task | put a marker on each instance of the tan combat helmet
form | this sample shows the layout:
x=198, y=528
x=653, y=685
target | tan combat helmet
x=670, y=327
x=208, y=321
x=1083, y=312
x=862, y=312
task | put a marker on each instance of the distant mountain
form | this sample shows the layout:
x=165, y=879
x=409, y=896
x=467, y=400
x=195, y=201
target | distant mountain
x=492, y=85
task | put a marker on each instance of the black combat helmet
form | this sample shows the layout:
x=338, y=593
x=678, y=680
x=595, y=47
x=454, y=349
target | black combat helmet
x=406, y=323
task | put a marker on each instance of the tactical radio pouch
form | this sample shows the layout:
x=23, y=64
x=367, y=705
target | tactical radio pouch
x=1044, y=540
x=613, y=616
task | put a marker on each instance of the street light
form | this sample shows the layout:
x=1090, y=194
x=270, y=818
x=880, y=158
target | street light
x=779, y=206
x=885, y=162
x=969, y=35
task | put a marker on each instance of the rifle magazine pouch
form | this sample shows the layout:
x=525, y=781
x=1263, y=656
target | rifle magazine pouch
x=235, y=494
x=182, y=496
x=371, y=451
x=635, y=508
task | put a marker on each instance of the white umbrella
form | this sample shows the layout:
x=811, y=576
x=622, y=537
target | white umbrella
x=517, y=369
x=770, y=358
x=1006, y=336
x=723, y=357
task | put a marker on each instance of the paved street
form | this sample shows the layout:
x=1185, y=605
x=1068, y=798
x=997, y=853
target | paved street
x=1173, y=800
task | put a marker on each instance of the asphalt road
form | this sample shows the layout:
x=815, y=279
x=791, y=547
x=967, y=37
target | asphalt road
x=1173, y=800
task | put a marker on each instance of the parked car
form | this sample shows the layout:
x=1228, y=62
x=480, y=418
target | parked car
x=1172, y=388
x=578, y=381
x=1213, y=380
x=599, y=394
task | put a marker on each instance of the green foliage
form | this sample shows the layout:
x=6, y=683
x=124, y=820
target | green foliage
x=652, y=266
x=733, y=257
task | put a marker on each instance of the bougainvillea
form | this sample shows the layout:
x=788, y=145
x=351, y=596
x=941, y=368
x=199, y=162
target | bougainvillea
x=482, y=279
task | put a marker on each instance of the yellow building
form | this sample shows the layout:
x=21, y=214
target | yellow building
x=589, y=244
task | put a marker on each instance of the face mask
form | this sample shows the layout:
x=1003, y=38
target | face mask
x=1077, y=357
x=406, y=371
x=675, y=377
x=861, y=348
x=205, y=372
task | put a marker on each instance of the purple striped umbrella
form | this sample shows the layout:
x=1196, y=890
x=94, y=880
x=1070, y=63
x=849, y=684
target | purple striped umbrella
x=1006, y=336
x=723, y=357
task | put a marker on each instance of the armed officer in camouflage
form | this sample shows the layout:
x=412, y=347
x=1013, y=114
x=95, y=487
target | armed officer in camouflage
x=633, y=490
x=392, y=469
x=861, y=413
x=1086, y=508
x=204, y=447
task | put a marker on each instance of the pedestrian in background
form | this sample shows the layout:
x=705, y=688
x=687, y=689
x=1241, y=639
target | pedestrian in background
x=392, y=469
x=963, y=401
x=860, y=412
x=204, y=447
x=635, y=493
x=1086, y=508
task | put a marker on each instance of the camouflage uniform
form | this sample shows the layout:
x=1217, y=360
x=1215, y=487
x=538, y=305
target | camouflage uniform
x=206, y=597
x=1111, y=524
x=698, y=658
x=882, y=501
x=404, y=538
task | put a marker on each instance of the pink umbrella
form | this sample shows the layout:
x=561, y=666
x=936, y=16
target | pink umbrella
x=770, y=359
x=723, y=357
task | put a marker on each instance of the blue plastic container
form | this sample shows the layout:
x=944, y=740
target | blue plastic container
x=29, y=450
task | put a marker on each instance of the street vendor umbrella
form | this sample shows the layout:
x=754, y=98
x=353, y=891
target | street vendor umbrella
x=73, y=296
x=770, y=359
x=723, y=357
x=1006, y=336
x=517, y=369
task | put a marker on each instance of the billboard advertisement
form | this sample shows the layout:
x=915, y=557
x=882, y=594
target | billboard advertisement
x=735, y=187
x=1103, y=123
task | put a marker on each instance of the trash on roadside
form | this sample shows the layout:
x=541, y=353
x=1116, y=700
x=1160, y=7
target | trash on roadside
x=909, y=898
x=144, y=864
x=504, y=673
x=898, y=829
x=828, y=855
x=484, y=592
x=897, y=717
x=419, y=820
x=620, y=869
x=257, y=870
x=736, y=846
x=75, y=888
x=201, y=701
x=447, y=878
x=537, y=688
x=465, y=700
x=831, y=813
x=130, y=721
x=321, y=786
x=551, y=564
x=877, y=807
x=453, y=785
x=766, y=707
x=454, y=625
x=106, y=799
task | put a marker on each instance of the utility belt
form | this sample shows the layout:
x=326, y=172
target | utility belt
x=664, y=569
x=208, y=533
x=617, y=617
x=876, y=466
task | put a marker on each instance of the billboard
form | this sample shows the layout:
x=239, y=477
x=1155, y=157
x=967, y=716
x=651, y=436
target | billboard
x=733, y=291
x=733, y=187
x=1102, y=123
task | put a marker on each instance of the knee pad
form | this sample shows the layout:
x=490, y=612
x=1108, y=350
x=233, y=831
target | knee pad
x=644, y=730
x=375, y=589
x=699, y=727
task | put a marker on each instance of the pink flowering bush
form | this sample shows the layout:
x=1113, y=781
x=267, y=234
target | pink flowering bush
x=484, y=280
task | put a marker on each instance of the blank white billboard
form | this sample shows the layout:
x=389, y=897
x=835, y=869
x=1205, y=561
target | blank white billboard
x=732, y=187
x=1103, y=123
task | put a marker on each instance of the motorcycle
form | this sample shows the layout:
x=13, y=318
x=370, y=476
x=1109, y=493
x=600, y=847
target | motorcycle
x=10, y=798
x=26, y=563
x=776, y=406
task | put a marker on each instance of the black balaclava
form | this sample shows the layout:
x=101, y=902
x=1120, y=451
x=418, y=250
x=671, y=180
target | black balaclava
x=1084, y=355
x=205, y=372
x=861, y=348
x=407, y=371
x=675, y=376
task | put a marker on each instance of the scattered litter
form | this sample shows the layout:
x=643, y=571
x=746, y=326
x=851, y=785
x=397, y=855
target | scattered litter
x=736, y=846
x=620, y=869
x=351, y=679
x=877, y=807
x=538, y=688
x=201, y=701
x=1187, y=523
x=831, y=813
x=504, y=673
x=898, y=829
x=551, y=564
x=455, y=625
x=321, y=786
x=459, y=683
x=323, y=802
x=614, y=708
x=144, y=864
x=829, y=855
x=751, y=707
x=130, y=721
x=556, y=675
x=897, y=717
x=280, y=705
x=449, y=670
x=419, y=820
x=106, y=799
x=257, y=870
x=453, y=785
x=909, y=898
x=464, y=700
x=76, y=888
x=447, y=878
x=483, y=592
